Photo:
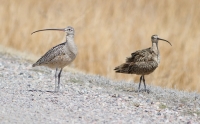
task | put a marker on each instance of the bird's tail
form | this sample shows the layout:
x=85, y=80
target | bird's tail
x=122, y=68
x=35, y=64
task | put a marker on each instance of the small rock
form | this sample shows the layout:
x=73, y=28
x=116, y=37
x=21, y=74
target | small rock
x=148, y=101
x=115, y=95
x=195, y=114
x=158, y=113
x=130, y=97
x=30, y=76
x=136, y=104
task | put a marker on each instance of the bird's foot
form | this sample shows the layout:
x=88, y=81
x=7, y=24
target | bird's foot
x=145, y=90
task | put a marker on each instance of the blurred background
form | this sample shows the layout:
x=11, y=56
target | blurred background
x=108, y=31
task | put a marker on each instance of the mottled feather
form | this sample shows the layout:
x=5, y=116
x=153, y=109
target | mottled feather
x=51, y=54
x=141, y=62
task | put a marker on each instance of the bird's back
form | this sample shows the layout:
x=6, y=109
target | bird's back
x=141, y=62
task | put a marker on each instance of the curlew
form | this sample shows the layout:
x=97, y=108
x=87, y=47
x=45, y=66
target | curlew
x=142, y=62
x=59, y=56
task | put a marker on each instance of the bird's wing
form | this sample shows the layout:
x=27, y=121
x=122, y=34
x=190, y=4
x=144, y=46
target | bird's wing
x=140, y=62
x=51, y=54
x=140, y=56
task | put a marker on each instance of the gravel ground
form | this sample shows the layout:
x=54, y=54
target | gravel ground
x=26, y=96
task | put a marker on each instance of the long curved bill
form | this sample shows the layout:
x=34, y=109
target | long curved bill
x=165, y=40
x=48, y=29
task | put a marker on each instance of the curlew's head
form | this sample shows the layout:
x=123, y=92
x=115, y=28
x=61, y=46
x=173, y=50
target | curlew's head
x=155, y=38
x=68, y=30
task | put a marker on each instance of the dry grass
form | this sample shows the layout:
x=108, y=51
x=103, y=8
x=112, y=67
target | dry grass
x=107, y=31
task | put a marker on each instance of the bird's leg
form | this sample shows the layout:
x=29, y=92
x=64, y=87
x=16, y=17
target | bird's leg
x=144, y=84
x=139, y=84
x=55, y=79
x=59, y=78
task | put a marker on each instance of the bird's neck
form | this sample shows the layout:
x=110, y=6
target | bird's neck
x=156, y=51
x=71, y=45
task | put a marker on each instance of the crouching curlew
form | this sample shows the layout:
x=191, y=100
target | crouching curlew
x=142, y=62
x=59, y=56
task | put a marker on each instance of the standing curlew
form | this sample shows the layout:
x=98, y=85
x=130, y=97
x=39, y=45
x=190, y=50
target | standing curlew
x=142, y=62
x=59, y=56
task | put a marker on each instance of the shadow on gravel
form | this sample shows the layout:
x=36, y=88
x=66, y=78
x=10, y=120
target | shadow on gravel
x=136, y=91
x=42, y=91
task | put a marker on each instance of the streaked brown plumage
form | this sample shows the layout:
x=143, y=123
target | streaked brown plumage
x=142, y=62
x=61, y=55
